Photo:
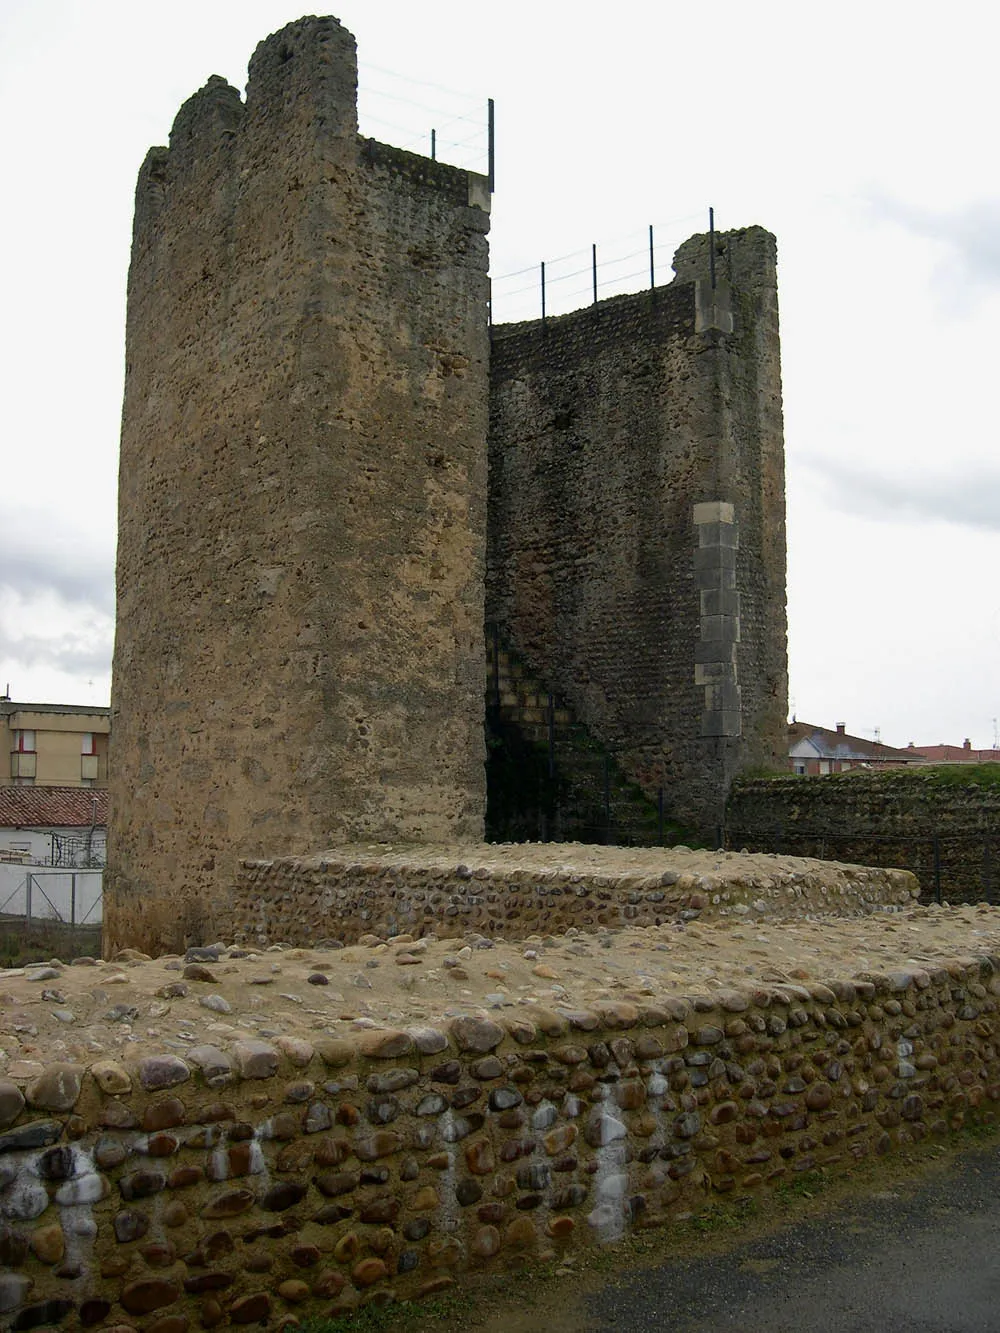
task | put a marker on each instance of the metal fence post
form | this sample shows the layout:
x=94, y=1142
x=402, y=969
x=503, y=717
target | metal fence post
x=936, y=849
x=659, y=816
x=72, y=899
x=27, y=897
x=491, y=144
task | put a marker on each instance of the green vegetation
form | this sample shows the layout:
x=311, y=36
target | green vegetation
x=375, y=1318
x=38, y=941
x=804, y=1186
x=984, y=776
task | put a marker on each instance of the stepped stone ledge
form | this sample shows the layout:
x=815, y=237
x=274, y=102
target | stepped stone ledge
x=368, y=1118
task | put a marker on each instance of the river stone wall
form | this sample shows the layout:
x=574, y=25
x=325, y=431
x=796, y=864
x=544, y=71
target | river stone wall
x=277, y=1179
x=943, y=825
x=513, y=892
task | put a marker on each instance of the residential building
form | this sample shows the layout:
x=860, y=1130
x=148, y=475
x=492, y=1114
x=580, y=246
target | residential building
x=816, y=750
x=53, y=745
x=54, y=826
x=956, y=754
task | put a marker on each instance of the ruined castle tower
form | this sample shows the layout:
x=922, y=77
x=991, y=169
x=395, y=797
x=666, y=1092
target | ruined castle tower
x=636, y=553
x=299, y=655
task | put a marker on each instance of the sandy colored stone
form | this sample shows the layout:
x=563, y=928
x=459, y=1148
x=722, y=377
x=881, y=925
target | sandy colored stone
x=476, y=1034
x=255, y=1059
x=296, y=1051
x=57, y=1088
x=48, y=1243
x=111, y=1077
x=384, y=1044
x=11, y=1102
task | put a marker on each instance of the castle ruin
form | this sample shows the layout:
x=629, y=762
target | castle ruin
x=333, y=470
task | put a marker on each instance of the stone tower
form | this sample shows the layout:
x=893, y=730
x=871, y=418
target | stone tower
x=636, y=553
x=299, y=654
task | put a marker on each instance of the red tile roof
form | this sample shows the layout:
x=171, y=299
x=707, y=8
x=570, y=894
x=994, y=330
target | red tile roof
x=957, y=754
x=52, y=807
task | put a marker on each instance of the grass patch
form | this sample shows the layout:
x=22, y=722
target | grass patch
x=375, y=1318
x=805, y=1186
x=37, y=941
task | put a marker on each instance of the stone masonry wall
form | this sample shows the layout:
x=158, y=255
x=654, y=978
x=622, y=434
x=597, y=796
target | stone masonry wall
x=266, y=1179
x=636, y=553
x=944, y=828
x=299, y=654
x=351, y=893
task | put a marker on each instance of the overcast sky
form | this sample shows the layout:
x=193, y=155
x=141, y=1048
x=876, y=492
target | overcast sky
x=863, y=135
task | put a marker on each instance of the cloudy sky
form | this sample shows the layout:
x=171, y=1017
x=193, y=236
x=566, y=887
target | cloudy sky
x=863, y=135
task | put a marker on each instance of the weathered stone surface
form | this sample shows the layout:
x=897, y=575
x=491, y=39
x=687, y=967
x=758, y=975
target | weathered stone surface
x=296, y=1050
x=428, y=1040
x=111, y=1077
x=603, y=1128
x=162, y=1071
x=165, y=1113
x=335, y=1051
x=282, y=1196
x=86, y=1188
x=369, y=1271
x=229, y=1204
x=251, y=1309
x=148, y=1294
x=11, y=1102
x=130, y=1225
x=116, y=1115
x=479, y=1157
x=255, y=1059
x=384, y=1043
x=14, y=1287
x=381, y=1144
x=28, y=1201
x=57, y=1088
x=476, y=1034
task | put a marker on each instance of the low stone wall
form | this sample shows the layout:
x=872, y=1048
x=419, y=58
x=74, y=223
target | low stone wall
x=941, y=823
x=514, y=890
x=275, y=1177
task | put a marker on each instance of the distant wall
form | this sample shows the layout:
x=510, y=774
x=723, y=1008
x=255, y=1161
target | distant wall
x=636, y=555
x=945, y=829
x=238, y=1185
x=299, y=655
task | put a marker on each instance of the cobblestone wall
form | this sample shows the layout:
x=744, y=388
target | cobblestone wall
x=636, y=549
x=299, y=654
x=945, y=828
x=285, y=1176
x=352, y=893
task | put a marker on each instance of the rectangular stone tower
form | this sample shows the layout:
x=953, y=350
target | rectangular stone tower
x=637, y=520
x=299, y=654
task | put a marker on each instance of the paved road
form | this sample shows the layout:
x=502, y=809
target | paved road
x=925, y=1260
